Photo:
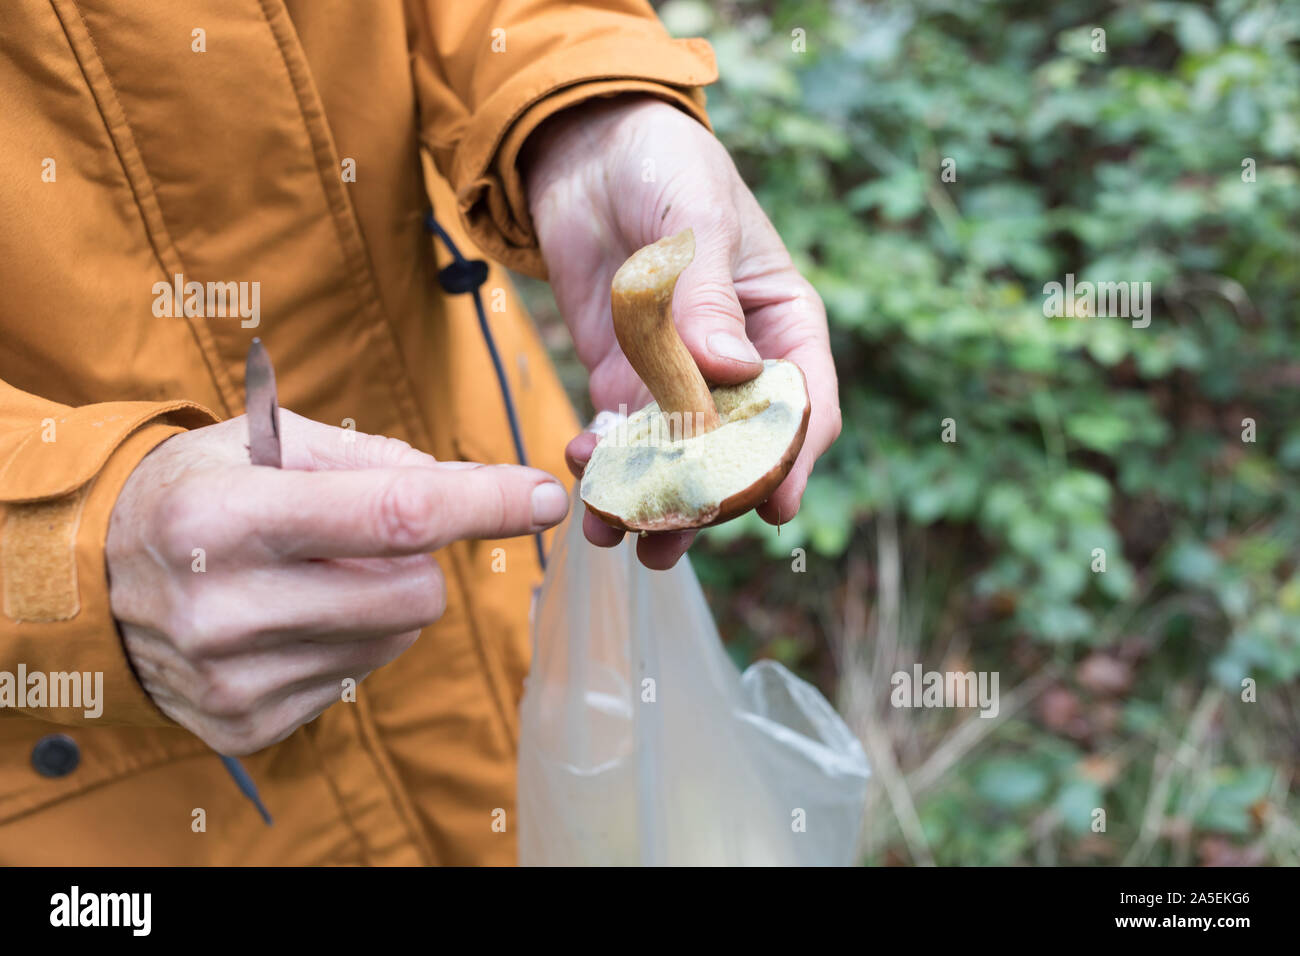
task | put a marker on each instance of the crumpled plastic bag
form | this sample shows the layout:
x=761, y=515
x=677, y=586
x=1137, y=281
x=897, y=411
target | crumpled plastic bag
x=642, y=743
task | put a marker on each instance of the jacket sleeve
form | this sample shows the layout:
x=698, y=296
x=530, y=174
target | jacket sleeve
x=61, y=469
x=487, y=74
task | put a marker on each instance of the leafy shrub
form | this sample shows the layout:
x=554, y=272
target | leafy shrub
x=1169, y=158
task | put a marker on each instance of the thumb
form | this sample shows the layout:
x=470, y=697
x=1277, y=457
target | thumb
x=309, y=445
x=708, y=314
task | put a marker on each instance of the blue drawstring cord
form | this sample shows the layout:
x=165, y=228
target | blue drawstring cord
x=468, y=275
x=245, y=784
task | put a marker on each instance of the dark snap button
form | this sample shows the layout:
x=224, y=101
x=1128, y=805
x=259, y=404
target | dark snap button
x=56, y=755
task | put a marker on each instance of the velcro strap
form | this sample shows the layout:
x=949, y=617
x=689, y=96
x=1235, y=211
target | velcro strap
x=38, y=555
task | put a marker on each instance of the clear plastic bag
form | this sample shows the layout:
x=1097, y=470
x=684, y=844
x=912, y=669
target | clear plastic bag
x=642, y=743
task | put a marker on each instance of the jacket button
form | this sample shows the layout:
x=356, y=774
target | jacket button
x=56, y=755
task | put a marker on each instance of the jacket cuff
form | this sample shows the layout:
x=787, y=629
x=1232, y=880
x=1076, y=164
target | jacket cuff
x=490, y=193
x=57, y=619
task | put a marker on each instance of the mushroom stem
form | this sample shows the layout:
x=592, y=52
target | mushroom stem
x=642, y=299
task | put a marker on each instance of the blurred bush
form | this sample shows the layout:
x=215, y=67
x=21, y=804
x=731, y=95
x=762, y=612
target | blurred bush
x=1167, y=157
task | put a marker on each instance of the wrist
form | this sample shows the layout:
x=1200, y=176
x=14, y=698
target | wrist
x=581, y=134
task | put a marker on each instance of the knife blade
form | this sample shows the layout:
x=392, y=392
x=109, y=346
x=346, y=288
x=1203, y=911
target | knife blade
x=261, y=407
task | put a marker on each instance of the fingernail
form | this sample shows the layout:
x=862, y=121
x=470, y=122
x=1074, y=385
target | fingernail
x=727, y=346
x=549, y=503
x=459, y=465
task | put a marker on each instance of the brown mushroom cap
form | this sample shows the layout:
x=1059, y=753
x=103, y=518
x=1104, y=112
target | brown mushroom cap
x=641, y=479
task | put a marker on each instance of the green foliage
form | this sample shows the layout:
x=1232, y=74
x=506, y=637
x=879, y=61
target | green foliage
x=1072, y=434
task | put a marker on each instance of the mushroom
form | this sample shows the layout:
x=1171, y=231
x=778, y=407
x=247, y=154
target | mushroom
x=693, y=457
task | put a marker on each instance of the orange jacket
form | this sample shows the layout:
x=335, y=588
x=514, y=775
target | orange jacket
x=278, y=142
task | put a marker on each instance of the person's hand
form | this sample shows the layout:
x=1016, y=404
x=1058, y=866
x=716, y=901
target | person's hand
x=246, y=595
x=610, y=176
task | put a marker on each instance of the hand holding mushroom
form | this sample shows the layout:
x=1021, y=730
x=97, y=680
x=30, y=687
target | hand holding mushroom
x=739, y=303
x=692, y=457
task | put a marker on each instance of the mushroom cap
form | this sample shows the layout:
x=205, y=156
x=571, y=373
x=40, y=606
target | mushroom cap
x=639, y=479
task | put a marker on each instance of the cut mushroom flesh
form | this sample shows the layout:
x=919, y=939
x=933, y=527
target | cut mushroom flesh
x=641, y=478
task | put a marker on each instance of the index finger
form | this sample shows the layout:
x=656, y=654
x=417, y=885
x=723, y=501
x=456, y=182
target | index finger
x=390, y=512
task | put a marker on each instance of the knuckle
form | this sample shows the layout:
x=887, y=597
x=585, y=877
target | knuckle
x=383, y=651
x=223, y=694
x=421, y=591
x=836, y=422
x=404, y=510
x=433, y=592
x=814, y=299
x=394, y=648
x=178, y=522
x=237, y=737
x=607, y=378
x=715, y=296
x=497, y=507
x=714, y=214
x=403, y=642
x=257, y=730
x=202, y=626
